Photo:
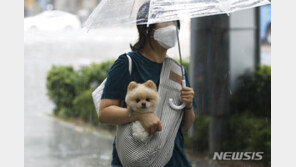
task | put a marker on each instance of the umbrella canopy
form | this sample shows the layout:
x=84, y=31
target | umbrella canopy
x=118, y=12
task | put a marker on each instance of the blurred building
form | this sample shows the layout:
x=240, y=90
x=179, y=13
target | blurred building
x=29, y=7
x=82, y=8
x=222, y=49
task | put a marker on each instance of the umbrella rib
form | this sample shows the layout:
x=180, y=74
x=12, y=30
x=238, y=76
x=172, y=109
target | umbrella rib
x=132, y=8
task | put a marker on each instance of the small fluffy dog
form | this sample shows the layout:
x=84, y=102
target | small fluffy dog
x=142, y=98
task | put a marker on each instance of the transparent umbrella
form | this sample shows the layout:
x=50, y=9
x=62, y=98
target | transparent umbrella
x=118, y=12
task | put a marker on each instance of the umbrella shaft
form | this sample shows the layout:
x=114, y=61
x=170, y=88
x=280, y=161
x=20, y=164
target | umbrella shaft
x=179, y=48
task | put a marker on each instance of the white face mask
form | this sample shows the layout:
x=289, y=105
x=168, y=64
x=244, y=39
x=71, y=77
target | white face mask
x=166, y=36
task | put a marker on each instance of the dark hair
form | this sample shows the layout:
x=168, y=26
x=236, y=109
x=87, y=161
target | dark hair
x=144, y=31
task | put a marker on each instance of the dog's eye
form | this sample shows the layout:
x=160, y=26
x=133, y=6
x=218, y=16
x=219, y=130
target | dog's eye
x=148, y=99
x=137, y=100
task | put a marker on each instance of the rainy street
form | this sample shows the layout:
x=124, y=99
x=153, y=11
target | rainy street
x=48, y=141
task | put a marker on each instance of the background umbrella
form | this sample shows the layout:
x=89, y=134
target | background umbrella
x=118, y=12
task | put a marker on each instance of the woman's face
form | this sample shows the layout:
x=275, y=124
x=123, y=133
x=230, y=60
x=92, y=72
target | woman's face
x=164, y=38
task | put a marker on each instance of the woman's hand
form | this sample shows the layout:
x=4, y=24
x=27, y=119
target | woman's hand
x=187, y=95
x=149, y=121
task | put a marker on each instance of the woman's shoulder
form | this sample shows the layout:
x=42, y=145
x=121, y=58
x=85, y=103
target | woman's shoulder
x=123, y=59
x=132, y=54
x=120, y=64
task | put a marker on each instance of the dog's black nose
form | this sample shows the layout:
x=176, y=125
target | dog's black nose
x=143, y=105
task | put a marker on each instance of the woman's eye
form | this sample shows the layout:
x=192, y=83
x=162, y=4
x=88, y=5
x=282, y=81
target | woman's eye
x=148, y=99
x=137, y=100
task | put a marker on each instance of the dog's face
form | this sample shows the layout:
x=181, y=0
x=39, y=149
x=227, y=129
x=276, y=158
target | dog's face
x=142, y=97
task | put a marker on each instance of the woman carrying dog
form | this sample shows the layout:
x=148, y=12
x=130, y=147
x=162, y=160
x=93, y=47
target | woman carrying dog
x=147, y=55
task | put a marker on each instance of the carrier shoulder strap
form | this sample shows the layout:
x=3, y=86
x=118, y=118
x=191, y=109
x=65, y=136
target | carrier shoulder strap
x=130, y=63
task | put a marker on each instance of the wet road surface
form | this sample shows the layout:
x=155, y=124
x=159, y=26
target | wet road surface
x=49, y=142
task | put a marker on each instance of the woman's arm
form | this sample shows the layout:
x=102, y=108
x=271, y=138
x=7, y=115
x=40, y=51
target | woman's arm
x=188, y=119
x=111, y=113
x=187, y=95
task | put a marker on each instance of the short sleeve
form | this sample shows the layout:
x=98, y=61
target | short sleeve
x=188, y=85
x=117, y=80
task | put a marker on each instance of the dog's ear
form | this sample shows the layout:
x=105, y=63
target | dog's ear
x=150, y=84
x=132, y=85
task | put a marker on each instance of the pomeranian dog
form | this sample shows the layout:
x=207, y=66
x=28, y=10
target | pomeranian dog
x=141, y=98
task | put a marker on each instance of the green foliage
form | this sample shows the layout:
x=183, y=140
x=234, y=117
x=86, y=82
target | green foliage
x=91, y=76
x=250, y=134
x=250, y=126
x=249, y=121
x=185, y=64
x=254, y=93
x=64, y=85
x=71, y=90
x=200, y=141
x=61, y=89
x=83, y=104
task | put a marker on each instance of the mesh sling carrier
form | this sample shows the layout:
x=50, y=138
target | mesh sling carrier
x=157, y=150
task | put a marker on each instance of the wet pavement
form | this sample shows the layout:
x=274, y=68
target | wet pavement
x=49, y=142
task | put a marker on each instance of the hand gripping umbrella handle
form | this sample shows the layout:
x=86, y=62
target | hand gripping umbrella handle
x=174, y=106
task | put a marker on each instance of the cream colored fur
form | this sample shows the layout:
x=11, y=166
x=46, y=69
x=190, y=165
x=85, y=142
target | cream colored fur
x=142, y=98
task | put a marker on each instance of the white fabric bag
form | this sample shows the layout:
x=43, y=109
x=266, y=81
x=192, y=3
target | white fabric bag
x=97, y=93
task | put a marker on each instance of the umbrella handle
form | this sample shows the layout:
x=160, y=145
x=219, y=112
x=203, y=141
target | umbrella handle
x=171, y=102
